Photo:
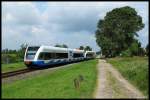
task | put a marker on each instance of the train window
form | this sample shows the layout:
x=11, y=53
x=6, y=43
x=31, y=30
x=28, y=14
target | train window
x=89, y=55
x=30, y=56
x=46, y=56
x=33, y=48
x=76, y=55
x=31, y=52
x=61, y=55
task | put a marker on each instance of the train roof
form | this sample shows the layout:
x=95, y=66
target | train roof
x=57, y=49
x=60, y=49
x=51, y=47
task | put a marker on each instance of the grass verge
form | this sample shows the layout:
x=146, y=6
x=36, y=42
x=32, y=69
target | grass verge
x=134, y=69
x=55, y=84
x=13, y=66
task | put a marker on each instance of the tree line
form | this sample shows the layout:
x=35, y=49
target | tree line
x=85, y=48
x=11, y=56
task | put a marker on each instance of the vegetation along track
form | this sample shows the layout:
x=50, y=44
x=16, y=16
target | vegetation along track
x=17, y=72
x=26, y=70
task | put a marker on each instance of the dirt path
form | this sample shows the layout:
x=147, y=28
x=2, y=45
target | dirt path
x=112, y=85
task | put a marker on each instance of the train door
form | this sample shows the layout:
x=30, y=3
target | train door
x=70, y=54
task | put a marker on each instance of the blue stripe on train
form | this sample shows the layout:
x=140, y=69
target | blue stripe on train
x=44, y=63
x=52, y=62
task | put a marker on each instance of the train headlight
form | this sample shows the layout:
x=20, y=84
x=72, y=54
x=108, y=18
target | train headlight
x=28, y=62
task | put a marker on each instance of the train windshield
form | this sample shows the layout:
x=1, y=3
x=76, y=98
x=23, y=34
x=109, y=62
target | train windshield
x=31, y=52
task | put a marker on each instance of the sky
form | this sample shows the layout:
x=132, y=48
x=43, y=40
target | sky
x=51, y=23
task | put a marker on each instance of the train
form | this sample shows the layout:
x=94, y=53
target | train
x=44, y=56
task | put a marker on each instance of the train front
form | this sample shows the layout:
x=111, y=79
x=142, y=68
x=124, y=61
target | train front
x=30, y=55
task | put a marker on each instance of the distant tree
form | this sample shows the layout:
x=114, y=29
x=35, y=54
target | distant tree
x=11, y=56
x=81, y=47
x=116, y=32
x=23, y=46
x=61, y=46
x=22, y=49
x=64, y=46
x=5, y=59
x=5, y=51
x=88, y=48
x=12, y=51
x=57, y=45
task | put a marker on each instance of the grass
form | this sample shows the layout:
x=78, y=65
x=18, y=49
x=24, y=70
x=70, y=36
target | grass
x=12, y=66
x=134, y=69
x=55, y=84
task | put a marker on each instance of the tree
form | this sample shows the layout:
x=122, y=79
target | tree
x=22, y=49
x=88, y=48
x=64, y=46
x=116, y=32
x=5, y=51
x=134, y=48
x=57, y=45
x=61, y=46
x=81, y=48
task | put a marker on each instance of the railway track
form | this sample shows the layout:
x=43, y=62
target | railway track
x=14, y=73
x=22, y=71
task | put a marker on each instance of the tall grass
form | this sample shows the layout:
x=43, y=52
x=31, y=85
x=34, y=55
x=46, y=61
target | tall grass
x=12, y=66
x=134, y=69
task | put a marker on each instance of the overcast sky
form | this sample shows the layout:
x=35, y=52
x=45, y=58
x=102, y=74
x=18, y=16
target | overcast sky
x=70, y=23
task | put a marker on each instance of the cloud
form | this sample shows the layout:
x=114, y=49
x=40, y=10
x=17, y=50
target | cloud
x=48, y=23
x=23, y=13
x=71, y=19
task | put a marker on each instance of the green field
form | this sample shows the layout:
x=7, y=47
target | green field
x=12, y=66
x=56, y=84
x=134, y=69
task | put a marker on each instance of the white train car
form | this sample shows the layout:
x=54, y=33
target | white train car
x=78, y=55
x=41, y=56
x=90, y=54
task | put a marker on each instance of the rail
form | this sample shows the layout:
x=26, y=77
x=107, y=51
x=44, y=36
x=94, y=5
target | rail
x=17, y=72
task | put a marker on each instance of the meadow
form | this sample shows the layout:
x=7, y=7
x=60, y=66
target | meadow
x=12, y=66
x=56, y=84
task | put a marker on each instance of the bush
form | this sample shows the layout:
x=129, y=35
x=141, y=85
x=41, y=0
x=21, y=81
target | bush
x=126, y=53
x=134, y=48
x=10, y=58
